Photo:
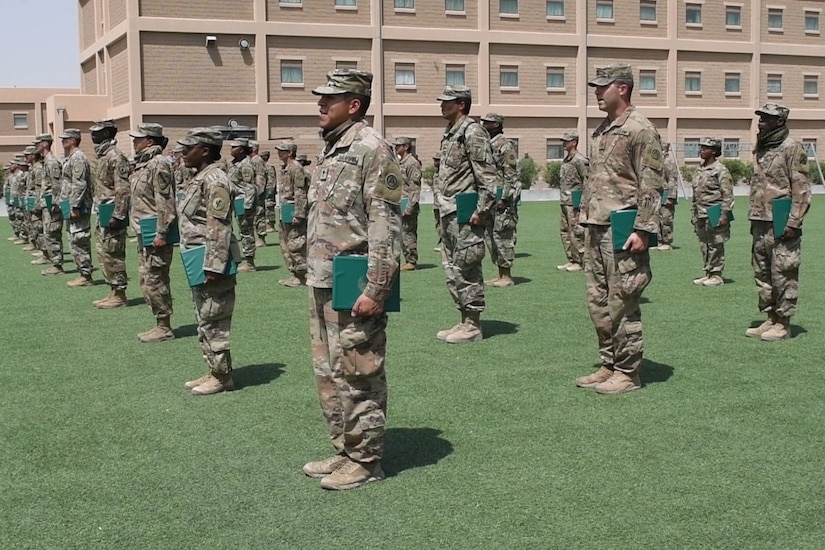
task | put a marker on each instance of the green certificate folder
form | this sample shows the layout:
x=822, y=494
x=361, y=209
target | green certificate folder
x=48, y=200
x=180, y=196
x=30, y=201
x=193, y=265
x=664, y=196
x=715, y=214
x=622, y=223
x=149, y=228
x=499, y=193
x=404, y=204
x=349, y=278
x=104, y=214
x=287, y=212
x=781, y=212
x=238, y=205
x=65, y=208
x=576, y=197
x=465, y=206
x=7, y=197
x=16, y=202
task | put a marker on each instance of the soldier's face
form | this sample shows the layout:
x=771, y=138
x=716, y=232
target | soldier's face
x=569, y=145
x=334, y=110
x=193, y=155
x=139, y=144
x=609, y=96
x=283, y=155
x=768, y=123
x=706, y=153
x=450, y=109
x=41, y=146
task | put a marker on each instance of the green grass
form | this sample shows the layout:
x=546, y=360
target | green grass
x=489, y=445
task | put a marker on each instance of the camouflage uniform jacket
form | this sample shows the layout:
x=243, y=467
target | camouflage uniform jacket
x=34, y=184
x=625, y=172
x=412, y=183
x=354, y=208
x=153, y=190
x=112, y=179
x=205, y=217
x=260, y=174
x=19, y=188
x=670, y=172
x=242, y=181
x=572, y=176
x=50, y=178
x=506, y=161
x=466, y=165
x=77, y=181
x=183, y=176
x=712, y=184
x=272, y=181
x=777, y=173
x=292, y=187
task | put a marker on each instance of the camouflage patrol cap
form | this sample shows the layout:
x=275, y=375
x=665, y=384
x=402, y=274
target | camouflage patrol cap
x=148, y=129
x=20, y=162
x=437, y=156
x=451, y=93
x=239, y=142
x=712, y=142
x=253, y=143
x=303, y=160
x=29, y=150
x=616, y=71
x=343, y=81
x=570, y=136
x=287, y=146
x=42, y=137
x=493, y=117
x=103, y=124
x=70, y=133
x=178, y=148
x=205, y=136
x=774, y=110
x=402, y=141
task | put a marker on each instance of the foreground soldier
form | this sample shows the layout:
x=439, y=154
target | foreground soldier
x=667, y=212
x=205, y=218
x=412, y=192
x=780, y=171
x=77, y=188
x=353, y=209
x=292, y=189
x=573, y=176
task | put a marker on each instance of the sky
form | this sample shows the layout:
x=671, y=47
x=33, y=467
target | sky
x=46, y=32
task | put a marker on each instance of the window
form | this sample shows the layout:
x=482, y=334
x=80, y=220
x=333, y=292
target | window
x=732, y=84
x=809, y=144
x=775, y=19
x=647, y=11
x=555, y=78
x=730, y=148
x=454, y=75
x=346, y=64
x=693, y=14
x=733, y=17
x=647, y=80
x=509, y=7
x=405, y=75
x=290, y=3
x=292, y=72
x=508, y=77
x=454, y=5
x=691, y=148
x=21, y=121
x=604, y=10
x=811, y=85
x=347, y=3
x=555, y=8
x=693, y=83
x=811, y=22
x=405, y=4
x=775, y=84
x=555, y=150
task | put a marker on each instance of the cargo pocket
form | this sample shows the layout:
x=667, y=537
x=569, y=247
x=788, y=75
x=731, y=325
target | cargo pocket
x=634, y=275
x=787, y=255
x=363, y=344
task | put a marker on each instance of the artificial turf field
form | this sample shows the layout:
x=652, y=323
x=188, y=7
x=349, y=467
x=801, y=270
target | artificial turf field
x=489, y=445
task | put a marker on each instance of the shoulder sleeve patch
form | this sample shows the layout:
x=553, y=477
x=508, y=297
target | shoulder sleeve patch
x=218, y=206
x=77, y=169
x=653, y=157
x=388, y=187
x=477, y=148
x=123, y=168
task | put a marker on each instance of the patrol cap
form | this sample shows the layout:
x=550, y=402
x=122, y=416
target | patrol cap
x=773, y=109
x=437, y=156
x=493, y=117
x=253, y=143
x=103, y=124
x=451, y=93
x=716, y=143
x=71, y=133
x=178, y=148
x=205, y=136
x=616, y=71
x=287, y=146
x=239, y=142
x=570, y=136
x=402, y=141
x=20, y=162
x=148, y=129
x=344, y=81
x=303, y=160
x=29, y=150
x=42, y=137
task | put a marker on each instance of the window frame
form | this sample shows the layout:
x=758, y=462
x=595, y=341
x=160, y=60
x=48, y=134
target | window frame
x=290, y=3
x=649, y=4
x=775, y=77
x=806, y=79
x=508, y=68
x=810, y=152
x=603, y=19
x=555, y=70
x=648, y=73
x=737, y=9
x=811, y=13
x=351, y=5
x=738, y=91
x=506, y=14
x=726, y=148
x=296, y=64
x=404, y=66
x=561, y=17
x=454, y=68
x=553, y=142
x=772, y=12
x=693, y=73
x=20, y=125
x=688, y=146
x=693, y=7
x=462, y=11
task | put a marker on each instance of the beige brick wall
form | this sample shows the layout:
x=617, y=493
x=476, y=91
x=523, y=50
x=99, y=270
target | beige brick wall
x=713, y=67
x=117, y=12
x=7, y=110
x=426, y=130
x=317, y=56
x=647, y=60
x=431, y=14
x=532, y=63
x=626, y=20
x=87, y=23
x=314, y=11
x=713, y=21
x=792, y=69
x=198, y=9
x=532, y=17
x=176, y=126
x=793, y=23
x=119, y=65
x=430, y=60
x=303, y=130
x=179, y=67
x=124, y=140
x=88, y=77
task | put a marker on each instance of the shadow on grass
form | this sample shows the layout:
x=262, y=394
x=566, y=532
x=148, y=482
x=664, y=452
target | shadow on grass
x=419, y=267
x=266, y=267
x=408, y=448
x=653, y=372
x=521, y=280
x=186, y=331
x=644, y=300
x=257, y=375
x=492, y=328
x=523, y=254
x=135, y=302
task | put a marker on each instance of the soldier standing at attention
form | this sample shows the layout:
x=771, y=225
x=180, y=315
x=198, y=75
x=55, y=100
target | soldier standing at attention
x=34, y=184
x=77, y=188
x=353, y=209
x=780, y=172
x=242, y=180
x=573, y=177
x=52, y=217
x=466, y=166
x=712, y=185
x=412, y=192
x=625, y=174
x=500, y=225
x=183, y=175
x=261, y=185
x=436, y=214
x=292, y=188
x=111, y=186
x=668, y=210
x=269, y=193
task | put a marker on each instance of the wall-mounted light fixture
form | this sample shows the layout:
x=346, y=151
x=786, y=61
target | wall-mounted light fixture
x=243, y=44
x=211, y=40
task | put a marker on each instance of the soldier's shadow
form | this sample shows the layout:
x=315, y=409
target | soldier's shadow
x=408, y=448
x=185, y=331
x=257, y=375
x=492, y=328
x=654, y=373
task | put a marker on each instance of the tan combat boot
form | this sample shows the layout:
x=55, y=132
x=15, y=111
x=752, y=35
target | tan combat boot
x=294, y=281
x=29, y=247
x=106, y=299
x=591, y=380
x=248, y=266
x=619, y=382
x=53, y=270
x=19, y=241
x=573, y=267
x=216, y=383
x=195, y=383
x=37, y=253
x=116, y=299
x=41, y=261
x=780, y=330
x=322, y=468
x=407, y=266
x=353, y=474
x=701, y=280
x=83, y=280
x=563, y=267
x=664, y=247
x=504, y=279
x=757, y=332
x=713, y=280
x=470, y=331
x=161, y=332
x=442, y=334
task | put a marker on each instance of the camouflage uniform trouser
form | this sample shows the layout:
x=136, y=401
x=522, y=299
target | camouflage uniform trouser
x=80, y=239
x=271, y=213
x=500, y=236
x=348, y=355
x=776, y=269
x=437, y=216
x=246, y=227
x=614, y=284
x=666, y=215
x=214, y=304
x=409, y=237
x=37, y=229
x=462, y=250
x=260, y=218
x=20, y=223
x=53, y=236
x=293, y=239
x=572, y=234
x=153, y=269
x=111, y=254
x=712, y=244
x=27, y=225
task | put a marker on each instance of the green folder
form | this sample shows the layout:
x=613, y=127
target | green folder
x=180, y=195
x=499, y=193
x=104, y=214
x=16, y=202
x=287, y=212
x=49, y=200
x=404, y=204
x=665, y=193
x=149, y=228
x=465, y=206
x=193, y=265
x=781, y=212
x=622, y=223
x=30, y=202
x=349, y=278
x=576, y=196
x=715, y=214
x=65, y=208
x=7, y=197
x=238, y=205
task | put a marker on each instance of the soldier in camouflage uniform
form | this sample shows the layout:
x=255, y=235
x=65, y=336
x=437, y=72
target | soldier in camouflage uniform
x=183, y=174
x=353, y=209
x=52, y=217
x=8, y=171
x=25, y=190
x=242, y=179
x=205, y=218
x=573, y=177
x=500, y=225
x=111, y=180
x=77, y=188
x=270, y=193
x=292, y=189
x=18, y=190
x=466, y=166
x=712, y=185
x=33, y=189
x=436, y=213
x=412, y=192
x=625, y=173
x=668, y=210
x=780, y=171
x=261, y=185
